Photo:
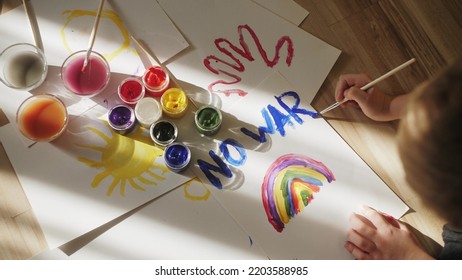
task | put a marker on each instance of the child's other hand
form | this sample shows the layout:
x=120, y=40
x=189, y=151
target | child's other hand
x=375, y=236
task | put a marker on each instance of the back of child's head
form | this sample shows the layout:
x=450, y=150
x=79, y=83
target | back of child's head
x=430, y=143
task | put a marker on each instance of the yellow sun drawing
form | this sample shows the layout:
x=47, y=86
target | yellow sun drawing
x=126, y=161
x=106, y=14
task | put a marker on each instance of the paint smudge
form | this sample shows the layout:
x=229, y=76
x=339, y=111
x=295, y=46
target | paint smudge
x=223, y=45
x=289, y=185
x=127, y=161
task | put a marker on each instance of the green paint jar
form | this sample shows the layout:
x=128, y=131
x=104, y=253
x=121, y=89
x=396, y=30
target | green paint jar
x=208, y=120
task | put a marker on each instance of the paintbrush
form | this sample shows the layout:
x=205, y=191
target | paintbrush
x=33, y=24
x=166, y=70
x=93, y=35
x=369, y=85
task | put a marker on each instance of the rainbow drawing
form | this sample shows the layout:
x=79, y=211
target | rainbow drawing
x=289, y=185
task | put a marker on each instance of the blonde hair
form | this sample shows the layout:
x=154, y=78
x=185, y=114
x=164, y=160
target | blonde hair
x=430, y=143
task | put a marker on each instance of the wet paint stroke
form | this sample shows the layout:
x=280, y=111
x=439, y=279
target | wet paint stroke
x=233, y=52
x=128, y=162
x=106, y=14
x=289, y=186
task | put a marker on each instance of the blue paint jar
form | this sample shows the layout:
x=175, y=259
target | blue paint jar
x=163, y=132
x=121, y=119
x=177, y=157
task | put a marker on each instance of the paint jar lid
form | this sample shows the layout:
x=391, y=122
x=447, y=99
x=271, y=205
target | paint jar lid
x=177, y=157
x=208, y=119
x=148, y=111
x=163, y=132
x=131, y=90
x=121, y=118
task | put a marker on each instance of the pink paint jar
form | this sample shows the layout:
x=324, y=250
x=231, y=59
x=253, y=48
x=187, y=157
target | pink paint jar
x=86, y=83
x=156, y=81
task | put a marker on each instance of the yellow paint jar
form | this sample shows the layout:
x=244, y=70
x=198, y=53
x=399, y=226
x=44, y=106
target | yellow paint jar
x=174, y=103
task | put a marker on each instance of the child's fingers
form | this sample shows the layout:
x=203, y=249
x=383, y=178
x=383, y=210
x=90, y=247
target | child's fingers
x=375, y=217
x=357, y=95
x=363, y=243
x=356, y=252
x=347, y=81
x=362, y=225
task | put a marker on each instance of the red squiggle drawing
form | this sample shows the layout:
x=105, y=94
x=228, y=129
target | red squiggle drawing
x=223, y=45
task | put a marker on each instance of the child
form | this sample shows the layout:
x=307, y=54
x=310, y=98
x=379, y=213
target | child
x=430, y=146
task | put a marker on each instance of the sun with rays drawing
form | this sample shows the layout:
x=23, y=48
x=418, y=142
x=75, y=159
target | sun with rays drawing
x=125, y=162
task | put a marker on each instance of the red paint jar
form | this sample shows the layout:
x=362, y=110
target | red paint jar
x=131, y=90
x=156, y=81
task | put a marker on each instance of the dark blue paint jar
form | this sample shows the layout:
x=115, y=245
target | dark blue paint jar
x=177, y=157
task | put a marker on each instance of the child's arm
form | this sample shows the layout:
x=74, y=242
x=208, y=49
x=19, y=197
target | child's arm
x=374, y=103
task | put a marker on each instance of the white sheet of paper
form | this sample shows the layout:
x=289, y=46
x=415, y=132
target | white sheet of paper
x=187, y=223
x=88, y=176
x=243, y=41
x=147, y=21
x=289, y=10
x=319, y=230
x=51, y=254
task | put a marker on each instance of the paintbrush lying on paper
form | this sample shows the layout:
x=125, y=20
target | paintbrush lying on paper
x=369, y=85
x=93, y=35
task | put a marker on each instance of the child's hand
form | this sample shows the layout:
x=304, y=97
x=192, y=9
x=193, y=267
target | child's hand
x=347, y=81
x=374, y=103
x=375, y=236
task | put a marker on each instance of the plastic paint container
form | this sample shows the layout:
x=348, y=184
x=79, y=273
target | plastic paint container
x=86, y=83
x=23, y=67
x=147, y=111
x=163, y=132
x=208, y=120
x=131, y=90
x=177, y=157
x=156, y=81
x=122, y=119
x=42, y=117
x=174, y=103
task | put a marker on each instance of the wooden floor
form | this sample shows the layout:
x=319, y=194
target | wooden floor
x=375, y=36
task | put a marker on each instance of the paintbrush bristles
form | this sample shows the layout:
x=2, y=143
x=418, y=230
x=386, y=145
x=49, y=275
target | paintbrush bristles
x=93, y=35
